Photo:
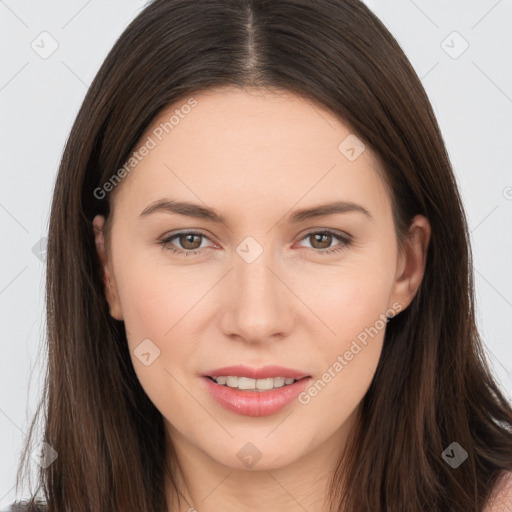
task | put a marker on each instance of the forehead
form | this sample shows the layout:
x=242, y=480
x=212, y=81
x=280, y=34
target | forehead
x=252, y=146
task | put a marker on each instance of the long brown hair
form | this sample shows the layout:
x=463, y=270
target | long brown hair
x=432, y=386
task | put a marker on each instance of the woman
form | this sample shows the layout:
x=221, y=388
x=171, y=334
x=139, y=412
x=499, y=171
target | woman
x=260, y=293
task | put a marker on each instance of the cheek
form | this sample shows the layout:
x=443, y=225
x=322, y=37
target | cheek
x=349, y=358
x=352, y=303
x=155, y=303
x=148, y=306
x=155, y=315
x=154, y=294
x=348, y=299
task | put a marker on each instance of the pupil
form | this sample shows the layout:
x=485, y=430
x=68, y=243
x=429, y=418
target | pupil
x=323, y=236
x=188, y=239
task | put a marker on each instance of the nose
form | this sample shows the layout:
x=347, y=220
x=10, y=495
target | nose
x=257, y=301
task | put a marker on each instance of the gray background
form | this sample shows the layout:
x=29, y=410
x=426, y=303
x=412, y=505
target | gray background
x=471, y=92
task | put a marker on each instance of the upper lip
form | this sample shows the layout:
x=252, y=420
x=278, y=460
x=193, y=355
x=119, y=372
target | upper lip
x=264, y=372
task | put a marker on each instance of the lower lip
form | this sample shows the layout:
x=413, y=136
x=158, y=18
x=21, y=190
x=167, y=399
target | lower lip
x=255, y=403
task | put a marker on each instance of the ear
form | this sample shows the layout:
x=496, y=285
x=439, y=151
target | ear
x=108, y=278
x=411, y=262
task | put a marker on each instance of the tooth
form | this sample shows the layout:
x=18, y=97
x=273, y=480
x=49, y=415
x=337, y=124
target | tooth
x=232, y=382
x=246, y=383
x=265, y=383
x=279, y=382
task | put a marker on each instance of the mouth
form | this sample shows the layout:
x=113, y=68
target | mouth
x=255, y=392
x=257, y=379
x=248, y=384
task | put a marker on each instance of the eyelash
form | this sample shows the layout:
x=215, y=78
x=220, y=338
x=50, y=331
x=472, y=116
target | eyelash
x=345, y=242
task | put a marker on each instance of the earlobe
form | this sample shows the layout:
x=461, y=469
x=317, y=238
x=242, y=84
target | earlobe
x=108, y=279
x=412, y=262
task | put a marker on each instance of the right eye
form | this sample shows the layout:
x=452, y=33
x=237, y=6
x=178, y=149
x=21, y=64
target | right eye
x=185, y=239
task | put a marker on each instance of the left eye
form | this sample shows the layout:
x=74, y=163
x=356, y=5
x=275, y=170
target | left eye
x=324, y=238
x=190, y=242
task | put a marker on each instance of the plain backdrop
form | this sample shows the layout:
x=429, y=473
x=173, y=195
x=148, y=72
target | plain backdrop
x=460, y=49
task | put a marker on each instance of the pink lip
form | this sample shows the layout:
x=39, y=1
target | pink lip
x=255, y=403
x=257, y=373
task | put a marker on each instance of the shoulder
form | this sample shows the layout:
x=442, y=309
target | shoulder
x=501, y=497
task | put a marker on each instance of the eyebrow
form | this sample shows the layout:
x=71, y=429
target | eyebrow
x=200, y=212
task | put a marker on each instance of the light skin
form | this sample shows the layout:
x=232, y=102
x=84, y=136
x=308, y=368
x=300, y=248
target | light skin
x=256, y=157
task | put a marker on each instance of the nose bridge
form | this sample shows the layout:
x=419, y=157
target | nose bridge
x=257, y=301
x=254, y=280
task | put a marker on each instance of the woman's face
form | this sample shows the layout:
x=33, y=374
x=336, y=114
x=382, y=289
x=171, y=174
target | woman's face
x=268, y=285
